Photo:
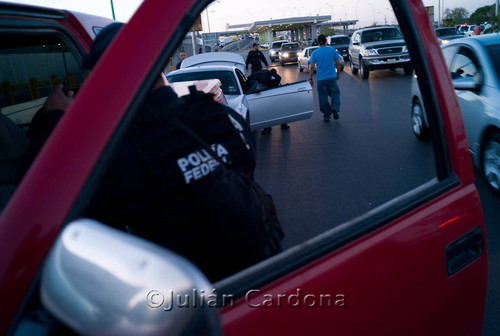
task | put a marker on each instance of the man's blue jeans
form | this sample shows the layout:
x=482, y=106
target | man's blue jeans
x=328, y=88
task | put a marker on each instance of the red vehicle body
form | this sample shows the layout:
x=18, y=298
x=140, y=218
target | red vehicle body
x=415, y=266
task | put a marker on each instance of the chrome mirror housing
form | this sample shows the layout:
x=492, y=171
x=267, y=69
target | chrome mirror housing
x=101, y=281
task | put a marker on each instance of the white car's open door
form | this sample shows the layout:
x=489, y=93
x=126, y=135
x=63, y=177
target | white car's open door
x=280, y=105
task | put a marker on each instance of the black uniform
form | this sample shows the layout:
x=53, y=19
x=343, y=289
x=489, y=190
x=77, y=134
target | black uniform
x=254, y=58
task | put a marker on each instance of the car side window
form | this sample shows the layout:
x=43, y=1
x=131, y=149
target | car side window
x=465, y=64
x=355, y=38
x=242, y=79
x=31, y=66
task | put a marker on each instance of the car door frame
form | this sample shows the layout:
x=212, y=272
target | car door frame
x=354, y=49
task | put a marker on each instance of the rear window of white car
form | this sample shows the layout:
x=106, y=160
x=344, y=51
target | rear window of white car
x=229, y=84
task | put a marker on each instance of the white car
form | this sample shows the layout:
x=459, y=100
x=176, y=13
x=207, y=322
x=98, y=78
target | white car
x=304, y=58
x=474, y=65
x=273, y=106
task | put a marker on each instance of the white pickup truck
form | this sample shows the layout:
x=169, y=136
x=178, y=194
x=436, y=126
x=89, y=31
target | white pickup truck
x=273, y=106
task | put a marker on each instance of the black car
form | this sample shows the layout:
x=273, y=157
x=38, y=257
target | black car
x=448, y=33
x=341, y=43
x=289, y=53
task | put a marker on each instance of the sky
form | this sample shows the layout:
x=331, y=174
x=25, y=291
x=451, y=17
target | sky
x=233, y=12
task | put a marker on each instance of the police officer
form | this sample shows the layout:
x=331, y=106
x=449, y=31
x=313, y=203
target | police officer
x=254, y=57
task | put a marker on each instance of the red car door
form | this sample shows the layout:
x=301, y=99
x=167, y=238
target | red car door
x=414, y=265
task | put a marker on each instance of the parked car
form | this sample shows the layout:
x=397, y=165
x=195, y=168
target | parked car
x=265, y=45
x=64, y=274
x=304, y=56
x=468, y=30
x=376, y=48
x=275, y=49
x=291, y=102
x=289, y=53
x=474, y=66
x=447, y=34
x=341, y=43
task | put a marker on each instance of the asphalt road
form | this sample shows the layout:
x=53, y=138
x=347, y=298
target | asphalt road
x=323, y=174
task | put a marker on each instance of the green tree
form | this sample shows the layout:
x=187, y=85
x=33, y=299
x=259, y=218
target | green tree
x=455, y=16
x=483, y=14
x=327, y=31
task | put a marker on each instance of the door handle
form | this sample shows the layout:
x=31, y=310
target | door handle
x=464, y=250
x=301, y=89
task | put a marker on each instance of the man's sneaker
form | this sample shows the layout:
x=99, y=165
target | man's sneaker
x=284, y=126
x=326, y=119
x=266, y=130
x=335, y=115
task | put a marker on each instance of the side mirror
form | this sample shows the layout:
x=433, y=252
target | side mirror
x=101, y=281
x=464, y=83
x=355, y=43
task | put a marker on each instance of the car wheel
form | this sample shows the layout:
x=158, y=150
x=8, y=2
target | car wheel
x=408, y=69
x=353, y=69
x=490, y=162
x=300, y=68
x=420, y=129
x=282, y=63
x=341, y=68
x=365, y=73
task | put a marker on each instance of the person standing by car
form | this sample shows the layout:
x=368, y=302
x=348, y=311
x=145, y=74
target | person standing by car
x=477, y=29
x=182, y=56
x=254, y=58
x=328, y=73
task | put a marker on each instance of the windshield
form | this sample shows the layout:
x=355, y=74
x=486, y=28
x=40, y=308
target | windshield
x=277, y=44
x=494, y=52
x=229, y=85
x=294, y=46
x=447, y=32
x=339, y=40
x=381, y=35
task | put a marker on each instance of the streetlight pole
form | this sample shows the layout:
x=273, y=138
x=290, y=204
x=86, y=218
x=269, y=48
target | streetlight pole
x=385, y=17
x=333, y=11
x=357, y=2
x=208, y=21
x=112, y=10
x=373, y=11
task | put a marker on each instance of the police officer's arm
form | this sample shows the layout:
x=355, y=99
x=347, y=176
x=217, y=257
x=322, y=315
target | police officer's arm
x=263, y=59
x=248, y=60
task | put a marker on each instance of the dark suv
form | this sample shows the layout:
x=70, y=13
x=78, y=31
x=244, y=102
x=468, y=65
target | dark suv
x=378, y=48
x=289, y=53
x=341, y=44
x=275, y=49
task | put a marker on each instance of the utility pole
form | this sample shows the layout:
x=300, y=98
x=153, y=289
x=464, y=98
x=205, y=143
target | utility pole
x=112, y=10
